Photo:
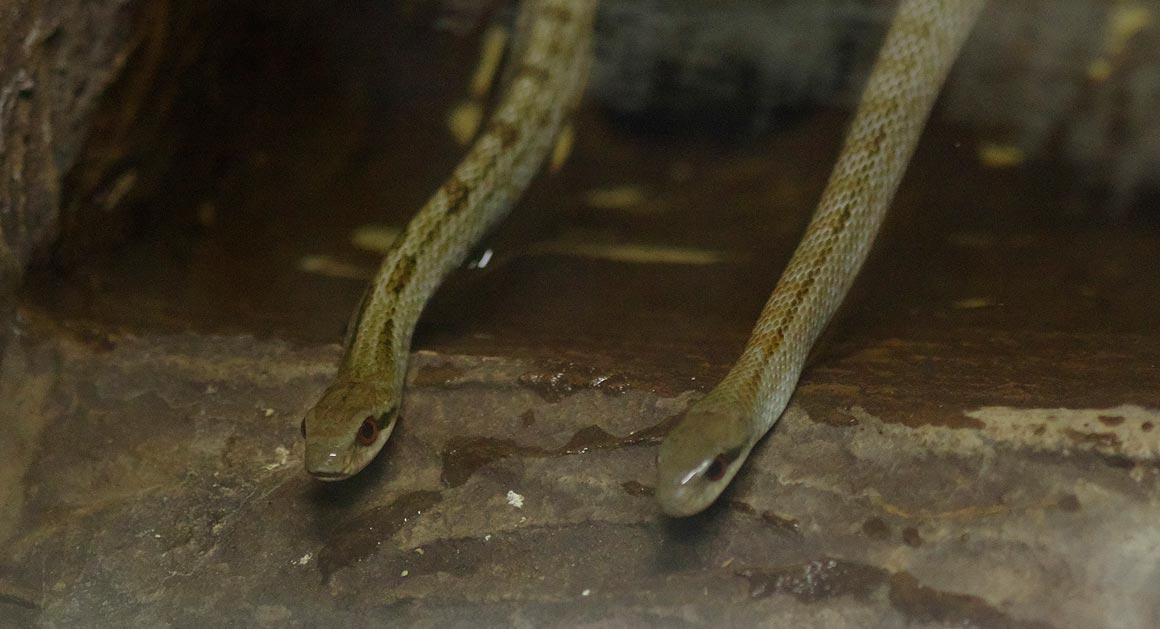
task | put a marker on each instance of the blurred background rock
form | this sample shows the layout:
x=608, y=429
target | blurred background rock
x=97, y=98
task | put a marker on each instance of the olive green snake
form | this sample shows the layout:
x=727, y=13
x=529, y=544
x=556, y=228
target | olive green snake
x=550, y=60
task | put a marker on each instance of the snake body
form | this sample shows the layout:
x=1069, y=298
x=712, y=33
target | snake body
x=702, y=454
x=354, y=417
x=356, y=414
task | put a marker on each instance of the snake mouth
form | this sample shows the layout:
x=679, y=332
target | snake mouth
x=327, y=461
x=329, y=476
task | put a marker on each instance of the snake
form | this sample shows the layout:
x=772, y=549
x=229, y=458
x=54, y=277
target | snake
x=703, y=453
x=550, y=61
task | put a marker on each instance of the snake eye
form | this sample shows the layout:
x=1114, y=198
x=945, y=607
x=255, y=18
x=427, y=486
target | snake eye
x=716, y=469
x=368, y=432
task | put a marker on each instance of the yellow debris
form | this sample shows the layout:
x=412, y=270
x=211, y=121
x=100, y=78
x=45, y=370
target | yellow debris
x=1099, y=70
x=1001, y=156
x=1124, y=22
x=325, y=265
x=973, y=303
x=463, y=121
x=121, y=187
x=375, y=238
x=490, y=54
x=632, y=253
x=617, y=198
x=563, y=148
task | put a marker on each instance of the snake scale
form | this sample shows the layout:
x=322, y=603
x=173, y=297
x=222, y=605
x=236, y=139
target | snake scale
x=701, y=455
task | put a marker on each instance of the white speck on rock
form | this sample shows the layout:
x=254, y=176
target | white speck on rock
x=586, y=592
x=515, y=500
x=304, y=559
x=283, y=454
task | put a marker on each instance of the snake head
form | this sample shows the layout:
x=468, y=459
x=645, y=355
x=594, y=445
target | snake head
x=347, y=428
x=699, y=458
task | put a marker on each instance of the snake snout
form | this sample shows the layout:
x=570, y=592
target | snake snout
x=325, y=462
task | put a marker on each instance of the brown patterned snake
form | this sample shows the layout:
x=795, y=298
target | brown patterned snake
x=356, y=414
x=703, y=453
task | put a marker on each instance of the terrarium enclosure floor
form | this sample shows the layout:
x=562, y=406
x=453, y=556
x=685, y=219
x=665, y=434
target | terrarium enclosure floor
x=975, y=442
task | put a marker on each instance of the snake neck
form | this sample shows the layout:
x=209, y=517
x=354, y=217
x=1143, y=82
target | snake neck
x=382, y=327
x=922, y=44
x=547, y=78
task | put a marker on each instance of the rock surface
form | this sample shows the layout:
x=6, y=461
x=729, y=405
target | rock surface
x=912, y=481
x=56, y=60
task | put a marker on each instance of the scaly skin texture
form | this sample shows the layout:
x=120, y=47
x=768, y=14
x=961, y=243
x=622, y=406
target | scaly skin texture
x=703, y=453
x=356, y=414
x=699, y=458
